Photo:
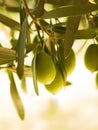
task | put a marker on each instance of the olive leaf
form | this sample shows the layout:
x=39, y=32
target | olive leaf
x=27, y=70
x=61, y=57
x=34, y=74
x=16, y=97
x=6, y=55
x=39, y=8
x=30, y=47
x=21, y=49
x=71, y=30
x=71, y=10
x=23, y=84
x=11, y=2
x=58, y=30
x=12, y=9
x=89, y=33
x=9, y=22
x=22, y=14
x=58, y=2
x=4, y=61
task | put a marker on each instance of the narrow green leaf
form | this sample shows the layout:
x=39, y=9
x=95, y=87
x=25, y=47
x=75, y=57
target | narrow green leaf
x=86, y=33
x=21, y=49
x=72, y=10
x=27, y=70
x=39, y=8
x=34, y=75
x=22, y=14
x=4, y=61
x=60, y=55
x=13, y=9
x=58, y=2
x=6, y=53
x=23, y=84
x=11, y=2
x=30, y=47
x=71, y=30
x=16, y=97
x=59, y=29
x=9, y=22
x=80, y=34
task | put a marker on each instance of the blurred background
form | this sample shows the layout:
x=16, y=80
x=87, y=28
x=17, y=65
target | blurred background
x=74, y=108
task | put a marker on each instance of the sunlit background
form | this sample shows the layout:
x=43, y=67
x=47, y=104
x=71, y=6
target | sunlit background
x=74, y=108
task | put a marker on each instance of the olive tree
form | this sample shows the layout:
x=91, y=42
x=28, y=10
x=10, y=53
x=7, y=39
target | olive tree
x=51, y=27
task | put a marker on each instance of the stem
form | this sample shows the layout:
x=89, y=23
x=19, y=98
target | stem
x=37, y=23
x=28, y=10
